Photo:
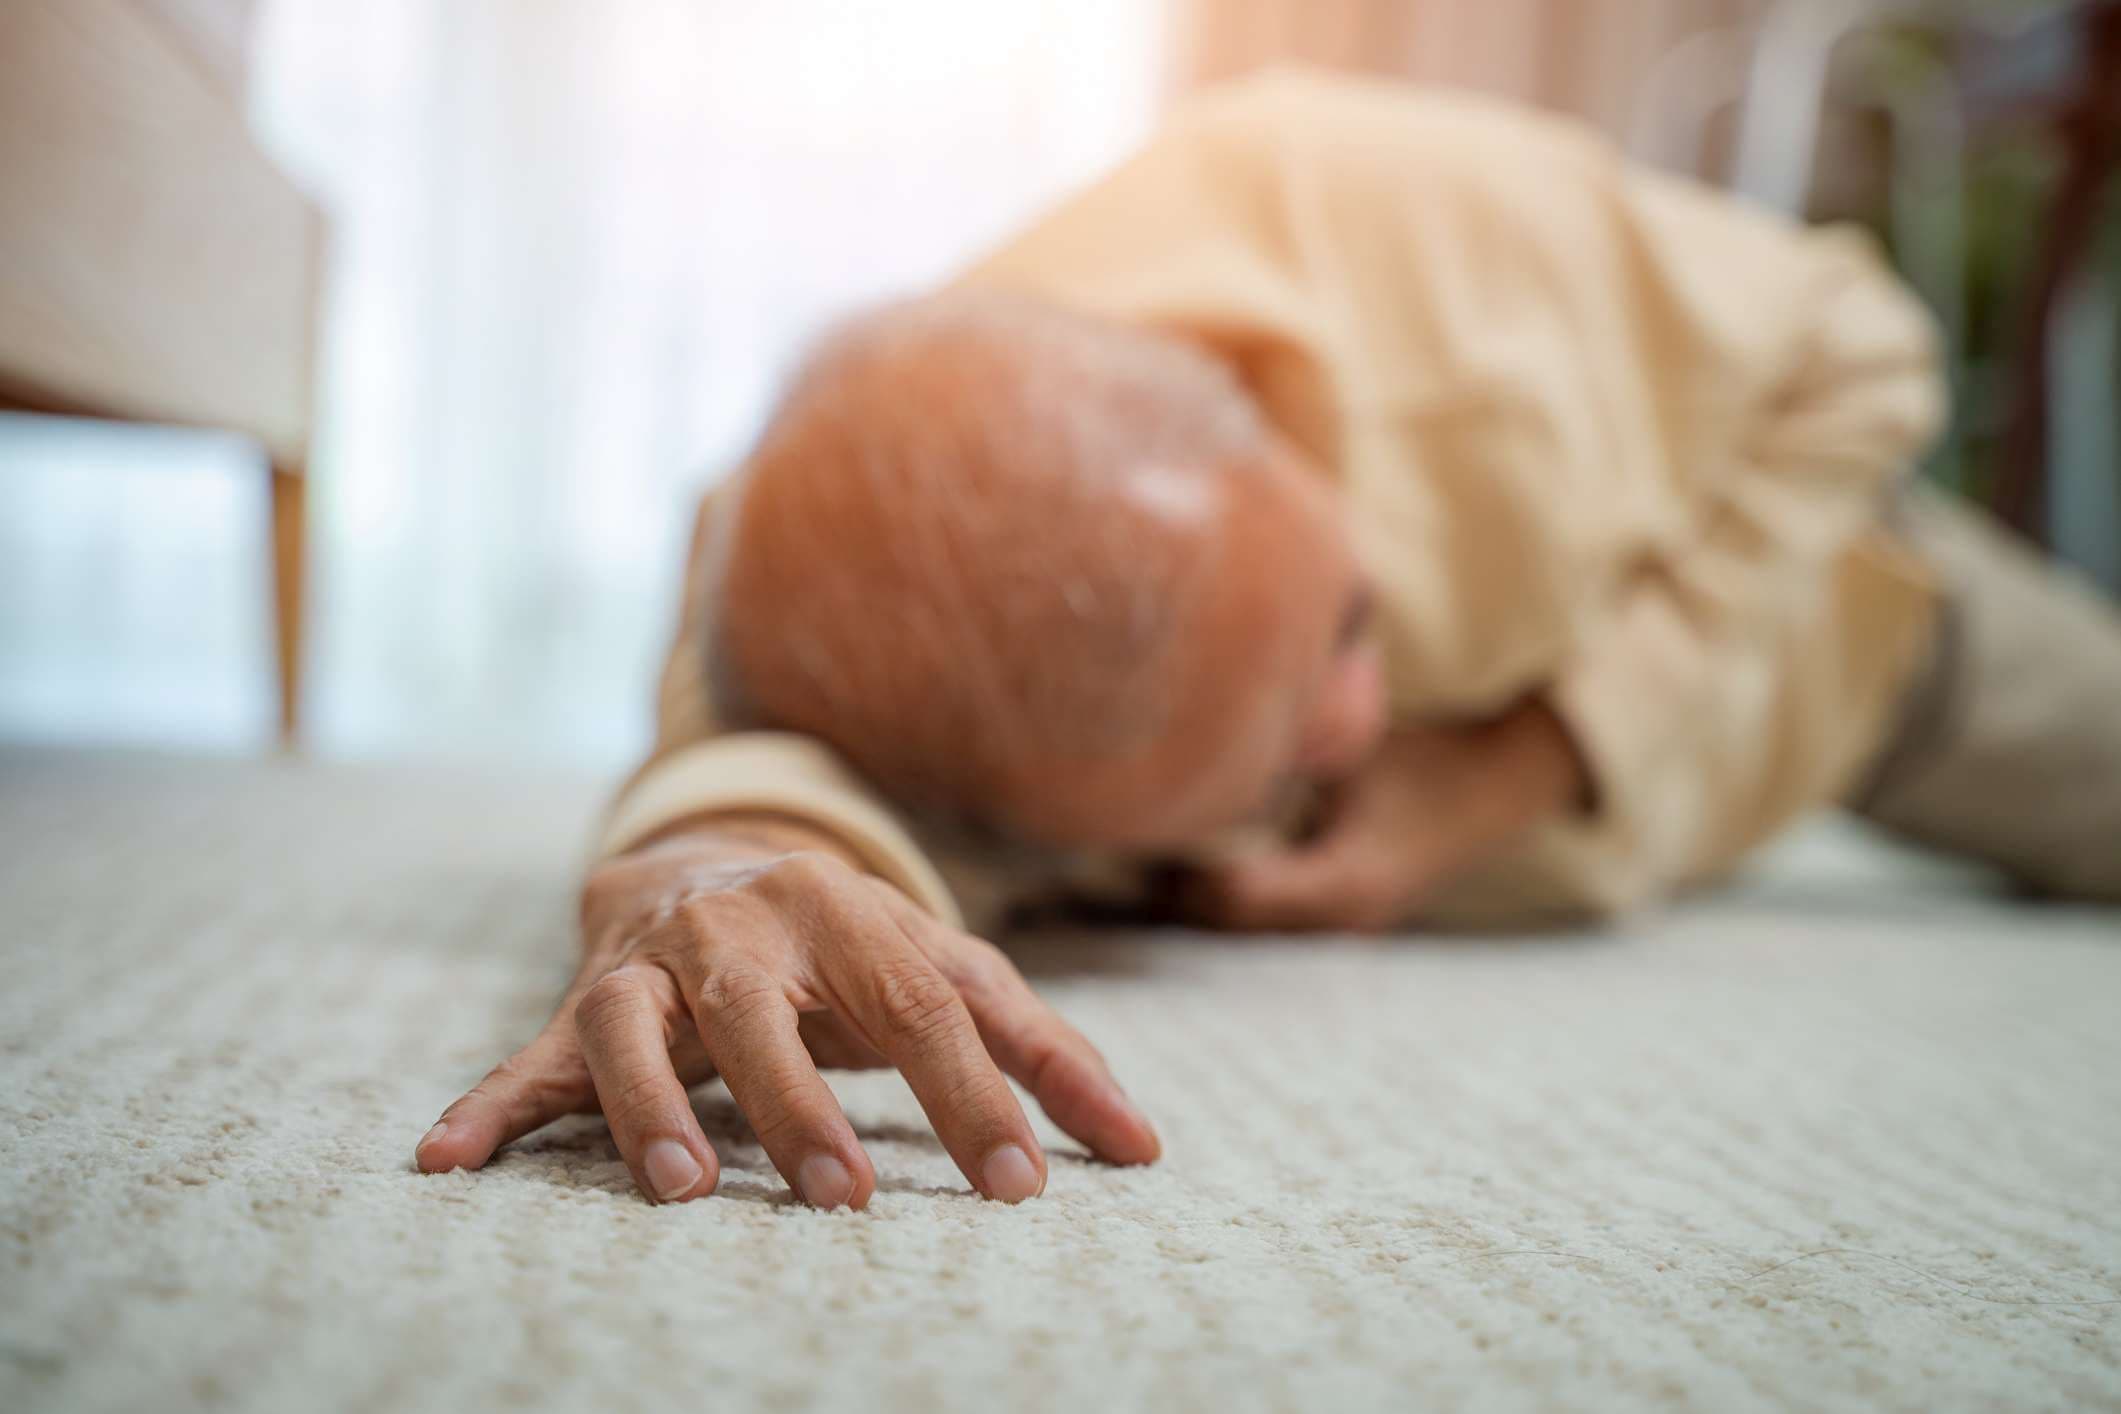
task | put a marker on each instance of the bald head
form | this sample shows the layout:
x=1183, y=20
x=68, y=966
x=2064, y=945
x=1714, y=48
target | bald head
x=985, y=549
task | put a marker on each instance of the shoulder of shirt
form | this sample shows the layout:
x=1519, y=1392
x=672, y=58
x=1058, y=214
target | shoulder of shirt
x=1294, y=102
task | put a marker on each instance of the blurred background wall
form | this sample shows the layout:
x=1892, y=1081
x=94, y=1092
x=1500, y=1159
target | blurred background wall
x=572, y=247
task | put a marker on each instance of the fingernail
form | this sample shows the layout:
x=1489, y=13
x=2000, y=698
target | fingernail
x=428, y=1138
x=824, y=1182
x=671, y=1169
x=1010, y=1175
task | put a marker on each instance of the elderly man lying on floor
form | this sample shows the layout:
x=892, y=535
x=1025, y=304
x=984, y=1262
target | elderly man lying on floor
x=1363, y=508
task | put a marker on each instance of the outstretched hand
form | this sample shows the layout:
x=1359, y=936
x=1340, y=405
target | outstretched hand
x=713, y=953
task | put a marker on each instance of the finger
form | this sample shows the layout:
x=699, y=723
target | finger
x=621, y=1023
x=1060, y=1067
x=905, y=1008
x=751, y=1032
x=532, y=1088
x=1034, y=1046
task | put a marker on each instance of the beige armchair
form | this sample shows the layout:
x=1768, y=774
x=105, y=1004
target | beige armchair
x=154, y=265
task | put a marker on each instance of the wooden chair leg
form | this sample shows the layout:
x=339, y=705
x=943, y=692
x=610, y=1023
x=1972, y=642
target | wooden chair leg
x=289, y=491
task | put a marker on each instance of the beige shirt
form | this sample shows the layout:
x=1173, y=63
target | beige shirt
x=1601, y=433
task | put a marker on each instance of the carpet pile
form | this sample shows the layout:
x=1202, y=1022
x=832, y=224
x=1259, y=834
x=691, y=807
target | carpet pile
x=1845, y=1137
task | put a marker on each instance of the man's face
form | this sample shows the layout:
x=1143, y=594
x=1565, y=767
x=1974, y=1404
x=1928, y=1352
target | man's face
x=1278, y=682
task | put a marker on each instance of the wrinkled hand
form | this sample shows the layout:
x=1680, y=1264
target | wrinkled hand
x=711, y=955
x=1434, y=802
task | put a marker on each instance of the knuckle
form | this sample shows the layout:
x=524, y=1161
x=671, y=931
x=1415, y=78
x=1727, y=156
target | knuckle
x=506, y=1078
x=1031, y=1039
x=608, y=996
x=1046, y=1043
x=1038, y=1052
x=981, y=967
x=918, y=1001
x=703, y=916
x=560, y=1092
x=733, y=992
x=806, y=874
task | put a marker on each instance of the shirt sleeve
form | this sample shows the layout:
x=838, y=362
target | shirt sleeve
x=1802, y=470
x=697, y=769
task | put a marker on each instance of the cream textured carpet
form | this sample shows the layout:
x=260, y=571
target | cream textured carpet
x=1849, y=1139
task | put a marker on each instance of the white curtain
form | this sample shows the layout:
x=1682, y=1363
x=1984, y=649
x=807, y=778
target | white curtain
x=574, y=246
